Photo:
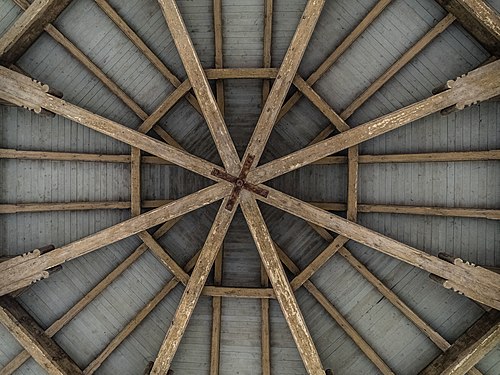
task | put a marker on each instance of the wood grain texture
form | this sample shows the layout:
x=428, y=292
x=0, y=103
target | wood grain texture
x=480, y=84
x=281, y=285
x=283, y=80
x=474, y=282
x=199, y=81
x=193, y=289
x=28, y=333
x=12, y=272
x=28, y=27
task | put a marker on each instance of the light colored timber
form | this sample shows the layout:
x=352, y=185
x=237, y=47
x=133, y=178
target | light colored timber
x=478, y=18
x=13, y=270
x=398, y=65
x=431, y=157
x=241, y=73
x=266, y=85
x=88, y=298
x=478, y=85
x=281, y=286
x=146, y=51
x=28, y=27
x=135, y=181
x=162, y=255
x=469, y=348
x=219, y=60
x=318, y=262
x=265, y=331
x=236, y=292
x=32, y=338
x=334, y=56
x=336, y=315
x=217, y=301
x=216, y=317
x=474, y=282
x=201, y=87
x=193, y=289
x=283, y=81
x=490, y=214
x=352, y=183
x=22, y=91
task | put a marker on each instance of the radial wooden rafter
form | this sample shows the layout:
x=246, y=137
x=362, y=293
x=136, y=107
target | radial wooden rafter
x=38, y=101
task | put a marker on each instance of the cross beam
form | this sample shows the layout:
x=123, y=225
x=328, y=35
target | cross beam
x=40, y=346
x=28, y=27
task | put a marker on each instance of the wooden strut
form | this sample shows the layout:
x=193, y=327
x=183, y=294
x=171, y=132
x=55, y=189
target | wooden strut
x=239, y=182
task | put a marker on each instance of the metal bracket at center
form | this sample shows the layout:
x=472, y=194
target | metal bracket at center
x=240, y=183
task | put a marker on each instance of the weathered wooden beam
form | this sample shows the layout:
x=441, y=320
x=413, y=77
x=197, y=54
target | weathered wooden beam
x=28, y=27
x=201, y=87
x=219, y=60
x=336, y=315
x=478, y=85
x=237, y=292
x=478, y=18
x=22, y=91
x=216, y=317
x=24, y=268
x=265, y=329
x=146, y=51
x=334, y=56
x=430, y=157
x=474, y=282
x=283, y=80
x=282, y=288
x=28, y=333
x=89, y=297
x=267, y=56
x=469, y=349
x=193, y=289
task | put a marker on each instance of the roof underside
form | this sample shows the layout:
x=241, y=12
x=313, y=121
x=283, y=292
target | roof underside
x=474, y=184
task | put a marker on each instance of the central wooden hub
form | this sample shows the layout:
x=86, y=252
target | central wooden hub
x=240, y=183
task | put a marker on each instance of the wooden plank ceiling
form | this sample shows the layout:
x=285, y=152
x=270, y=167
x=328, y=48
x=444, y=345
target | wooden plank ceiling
x=207, y=151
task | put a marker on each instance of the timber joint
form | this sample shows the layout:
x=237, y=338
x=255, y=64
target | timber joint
x=239, y=182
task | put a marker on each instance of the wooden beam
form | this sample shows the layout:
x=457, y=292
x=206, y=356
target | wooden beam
x=139, y=43
x=339, y=51
x=22, y=91
x=201, y=87
x=219, y=60
x=282, y=288
x=469, y=349
x=336, y=315
x=89, y=297
x=28, y=27
x=216, y=317
x=267, y=56
x=265, y=332
x=23, y=268
x=431, y=157
x=479, y=19
x=474, y=282
x=28, y=333
x=193, y=289
x=478, y=85
x=480, y=213
x=283, y=81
